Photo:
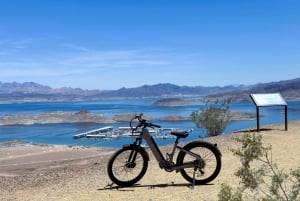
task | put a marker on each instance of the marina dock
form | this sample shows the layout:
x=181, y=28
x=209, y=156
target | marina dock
x=110, y=132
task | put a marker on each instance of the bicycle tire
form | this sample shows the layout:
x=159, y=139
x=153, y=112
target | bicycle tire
x=207, y=169
x=124, y=172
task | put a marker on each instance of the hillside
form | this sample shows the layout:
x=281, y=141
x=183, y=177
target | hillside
x=289, y=89
x=30, y=91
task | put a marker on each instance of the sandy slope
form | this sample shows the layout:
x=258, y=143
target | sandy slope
x=30, y=172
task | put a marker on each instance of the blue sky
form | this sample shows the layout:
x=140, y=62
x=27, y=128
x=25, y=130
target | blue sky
x=112, y=44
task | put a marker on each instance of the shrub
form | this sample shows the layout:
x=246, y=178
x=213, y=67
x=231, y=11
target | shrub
x=213, y=117
x=266, y=182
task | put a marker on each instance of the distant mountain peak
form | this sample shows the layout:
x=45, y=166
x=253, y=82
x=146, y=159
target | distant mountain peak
x=31, y=91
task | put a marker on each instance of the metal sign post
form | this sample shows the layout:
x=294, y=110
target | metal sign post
x=267, y=100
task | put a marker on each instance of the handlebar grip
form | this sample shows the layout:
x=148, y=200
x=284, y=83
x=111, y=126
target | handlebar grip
x=137, y=116
x=154, y=125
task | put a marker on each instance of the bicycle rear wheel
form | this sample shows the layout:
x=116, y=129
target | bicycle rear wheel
x=128, y=165
x=205, y=169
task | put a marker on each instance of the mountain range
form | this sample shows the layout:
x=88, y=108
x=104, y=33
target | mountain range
x=31, y=91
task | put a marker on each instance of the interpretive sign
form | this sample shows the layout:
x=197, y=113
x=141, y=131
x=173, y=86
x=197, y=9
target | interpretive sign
x=266, y=100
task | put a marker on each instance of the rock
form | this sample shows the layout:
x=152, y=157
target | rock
x=236, y=116
x=171, y=102
x=174, y=118
x=54, y=117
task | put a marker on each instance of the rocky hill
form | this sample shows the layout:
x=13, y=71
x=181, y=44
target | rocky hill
x=30, y=91
x=167, y=89
x=289, y=89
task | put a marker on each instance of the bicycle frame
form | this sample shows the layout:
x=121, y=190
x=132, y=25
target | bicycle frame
x=163, y=163
x=197, y=169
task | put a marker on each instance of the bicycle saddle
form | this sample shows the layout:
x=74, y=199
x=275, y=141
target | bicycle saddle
x=180, y=134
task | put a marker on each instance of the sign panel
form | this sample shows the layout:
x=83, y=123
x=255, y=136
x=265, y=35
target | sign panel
x=271, y=99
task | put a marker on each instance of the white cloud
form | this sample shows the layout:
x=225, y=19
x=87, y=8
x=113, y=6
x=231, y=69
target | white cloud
x=10, y=45
x=21, y=44
x=76, y=47
x=74, y=63
x=113, y=58
x=78, y=66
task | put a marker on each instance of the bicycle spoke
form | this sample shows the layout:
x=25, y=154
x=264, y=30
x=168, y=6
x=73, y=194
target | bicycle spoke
x=124, y=172
x=206, y=168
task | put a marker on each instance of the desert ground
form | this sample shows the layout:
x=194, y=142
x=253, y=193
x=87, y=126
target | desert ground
x=56, y=172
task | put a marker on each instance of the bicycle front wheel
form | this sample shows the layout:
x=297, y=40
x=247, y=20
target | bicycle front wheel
x=128, y=165
x=204, y=169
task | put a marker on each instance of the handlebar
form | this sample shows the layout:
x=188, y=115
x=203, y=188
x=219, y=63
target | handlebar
x=142, y=122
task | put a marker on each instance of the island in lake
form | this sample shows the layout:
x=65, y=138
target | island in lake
x=89, y=117
x=171, y=102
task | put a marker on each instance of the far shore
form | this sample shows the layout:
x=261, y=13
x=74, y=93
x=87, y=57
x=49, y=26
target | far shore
x=57, y=117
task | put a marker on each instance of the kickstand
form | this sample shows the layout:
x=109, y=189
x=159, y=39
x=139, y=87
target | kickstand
x=194, y=174
x=109, y=185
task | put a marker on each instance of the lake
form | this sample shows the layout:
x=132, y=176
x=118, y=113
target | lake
x=63, y=133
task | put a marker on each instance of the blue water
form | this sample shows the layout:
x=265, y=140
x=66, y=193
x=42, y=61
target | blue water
x=63, y=133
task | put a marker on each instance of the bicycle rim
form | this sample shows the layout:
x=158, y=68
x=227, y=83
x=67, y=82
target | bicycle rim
x=127, y=166
x=205, y=169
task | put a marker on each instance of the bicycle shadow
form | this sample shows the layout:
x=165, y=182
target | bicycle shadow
x=255, y=130
x=149, y=186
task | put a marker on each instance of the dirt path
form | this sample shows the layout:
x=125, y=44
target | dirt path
x=86, y=178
